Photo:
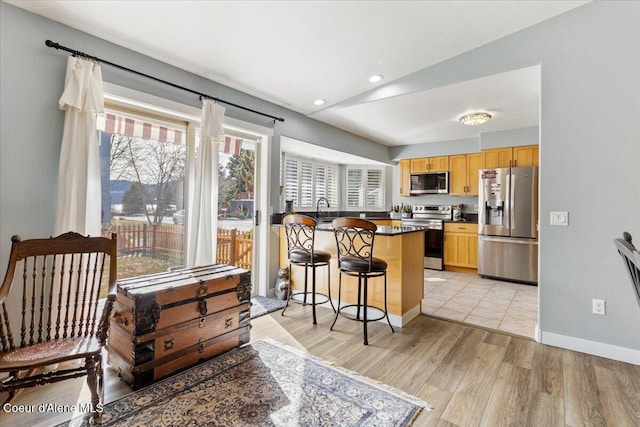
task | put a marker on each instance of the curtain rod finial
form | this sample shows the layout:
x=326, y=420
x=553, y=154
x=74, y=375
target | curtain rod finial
x=49, y=43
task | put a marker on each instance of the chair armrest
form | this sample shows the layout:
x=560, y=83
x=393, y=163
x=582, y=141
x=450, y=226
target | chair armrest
x=103, y=326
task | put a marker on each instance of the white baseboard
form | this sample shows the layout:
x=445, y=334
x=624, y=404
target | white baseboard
x=538, y=333
x=609, y=351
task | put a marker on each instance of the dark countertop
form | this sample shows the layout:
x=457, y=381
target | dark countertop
x=383, y=230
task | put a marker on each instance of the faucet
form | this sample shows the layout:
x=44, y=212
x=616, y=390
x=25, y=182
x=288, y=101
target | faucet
x=318, y=205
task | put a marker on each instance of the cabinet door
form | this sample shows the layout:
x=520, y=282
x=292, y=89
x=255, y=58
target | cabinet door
x=472, y=247
x=458, y=175
x=474, y=162
x=450, y=249
x=526, y=156
x=461, y=250
x=420, y=165
x=439, y=164
x=405, y=177
x=497, y=158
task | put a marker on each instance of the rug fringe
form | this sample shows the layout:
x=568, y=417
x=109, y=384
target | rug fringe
x=370, y=381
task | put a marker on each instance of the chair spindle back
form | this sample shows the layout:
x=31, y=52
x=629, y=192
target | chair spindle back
x=60, y=281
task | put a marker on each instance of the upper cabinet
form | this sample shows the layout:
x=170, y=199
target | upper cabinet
x=510, y=157
x=430, y=164
x=526, y=156
x=405, y=177
x=463, y=174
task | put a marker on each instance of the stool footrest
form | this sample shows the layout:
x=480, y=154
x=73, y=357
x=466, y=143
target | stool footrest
x=354, y=316
x=305, y=298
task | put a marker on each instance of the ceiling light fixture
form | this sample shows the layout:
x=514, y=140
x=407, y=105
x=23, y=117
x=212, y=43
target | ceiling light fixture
x=475, y=119
x=376, y=78
x=319, y=101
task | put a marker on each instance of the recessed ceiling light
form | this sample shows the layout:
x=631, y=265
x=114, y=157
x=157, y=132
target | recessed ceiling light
x=319, y=101
x=475, y=119
x=376, y=78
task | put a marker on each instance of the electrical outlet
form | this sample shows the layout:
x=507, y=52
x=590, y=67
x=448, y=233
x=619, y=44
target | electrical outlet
x=598, y=306
x=559, y=218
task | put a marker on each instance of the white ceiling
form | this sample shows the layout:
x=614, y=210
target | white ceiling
x=291, y=53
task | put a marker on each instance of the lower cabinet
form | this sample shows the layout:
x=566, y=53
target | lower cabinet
x=461, y=244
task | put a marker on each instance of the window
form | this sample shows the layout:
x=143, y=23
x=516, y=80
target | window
x=143, y=161
x=305, y=181
x=365, y=187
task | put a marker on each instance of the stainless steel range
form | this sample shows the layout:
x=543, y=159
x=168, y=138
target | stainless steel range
x=431, y=218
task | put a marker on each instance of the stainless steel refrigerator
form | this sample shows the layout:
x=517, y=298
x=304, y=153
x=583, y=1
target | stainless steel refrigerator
x=507, y=224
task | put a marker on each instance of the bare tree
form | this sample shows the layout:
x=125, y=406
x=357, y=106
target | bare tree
x=158, y=166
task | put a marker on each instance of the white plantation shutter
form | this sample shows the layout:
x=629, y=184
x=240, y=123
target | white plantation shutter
x=374, y=189
x=291, y=168
x=306, y=185
x=306, y=180
x=320, y=176
x=365, y=188
x=332, y=186
x=355, y=188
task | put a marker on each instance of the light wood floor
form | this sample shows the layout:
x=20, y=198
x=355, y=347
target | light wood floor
x=472, y=376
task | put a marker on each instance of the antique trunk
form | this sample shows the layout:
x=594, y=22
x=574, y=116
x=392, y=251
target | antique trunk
x=163, y=323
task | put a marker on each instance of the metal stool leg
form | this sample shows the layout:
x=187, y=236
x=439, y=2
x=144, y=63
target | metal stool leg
x=339, y=295
x=290, y=292
x=306, y=274
x=359, y=296
x=366, y=286
x=329, y=285
x=386, y=312
x=313, y=293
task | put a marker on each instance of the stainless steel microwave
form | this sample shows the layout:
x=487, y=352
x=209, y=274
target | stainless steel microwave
x=430, y=183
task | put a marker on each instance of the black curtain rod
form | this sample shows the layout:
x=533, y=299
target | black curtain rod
x=55, y=45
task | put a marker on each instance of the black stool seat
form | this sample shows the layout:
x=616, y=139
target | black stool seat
x=354, y=238
x=300, y=231
x=358, y=265
x=299, y=256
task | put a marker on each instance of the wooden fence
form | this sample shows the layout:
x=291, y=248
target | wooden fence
x=167, y=241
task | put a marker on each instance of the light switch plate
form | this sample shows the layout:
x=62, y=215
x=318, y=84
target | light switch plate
x=559, y=218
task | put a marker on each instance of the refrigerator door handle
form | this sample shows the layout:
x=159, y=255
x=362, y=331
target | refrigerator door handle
x=507, y=205
x=509, y=240
x=512, y=200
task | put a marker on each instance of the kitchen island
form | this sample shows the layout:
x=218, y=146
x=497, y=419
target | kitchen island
x=403, y=250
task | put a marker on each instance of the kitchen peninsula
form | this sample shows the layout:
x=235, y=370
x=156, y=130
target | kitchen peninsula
x=400, y=247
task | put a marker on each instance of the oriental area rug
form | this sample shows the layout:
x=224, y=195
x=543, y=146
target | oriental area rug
x=262, y=384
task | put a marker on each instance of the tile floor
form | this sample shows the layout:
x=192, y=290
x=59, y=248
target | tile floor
x=490, y=303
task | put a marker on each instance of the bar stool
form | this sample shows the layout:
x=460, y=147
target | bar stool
x=354, y=238
x=300, y=231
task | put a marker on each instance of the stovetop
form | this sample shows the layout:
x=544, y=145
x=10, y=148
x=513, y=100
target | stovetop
x=441, y=212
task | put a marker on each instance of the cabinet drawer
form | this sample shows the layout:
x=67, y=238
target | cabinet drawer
x=460, y=227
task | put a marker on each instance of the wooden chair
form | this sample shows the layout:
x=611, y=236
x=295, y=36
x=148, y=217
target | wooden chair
x=58, y=283
x=631, y=258
x=300, y=231
x=354, y=239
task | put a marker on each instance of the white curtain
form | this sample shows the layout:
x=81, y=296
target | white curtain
x=202, y=214
x=79, y=202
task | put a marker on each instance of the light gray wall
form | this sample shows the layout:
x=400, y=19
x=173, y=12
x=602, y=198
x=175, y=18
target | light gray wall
x=510, y=138
x=589, y=142
x=589, y=158
x=32, y=79
x=438, y=148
